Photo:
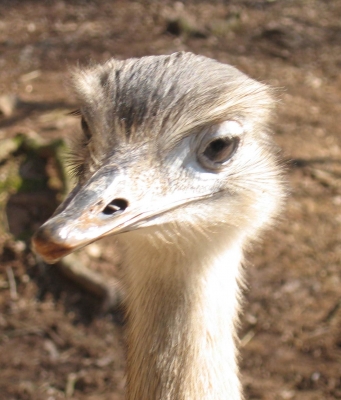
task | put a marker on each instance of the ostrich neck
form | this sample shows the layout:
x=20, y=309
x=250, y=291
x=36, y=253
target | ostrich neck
x=182, y=309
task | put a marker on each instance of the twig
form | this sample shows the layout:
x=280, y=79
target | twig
x=70, y=384
x=109, y=290
x=12, y=284
x=247, y=338
x=331, y=314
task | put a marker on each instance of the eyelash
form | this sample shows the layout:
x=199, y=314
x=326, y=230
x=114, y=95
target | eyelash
x=85, y=128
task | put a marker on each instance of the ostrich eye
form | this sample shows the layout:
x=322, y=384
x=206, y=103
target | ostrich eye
x=218, y=152
x=220, y=144
x=85, y=128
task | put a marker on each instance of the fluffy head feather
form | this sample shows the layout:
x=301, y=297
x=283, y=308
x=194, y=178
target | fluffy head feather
x=166, y=96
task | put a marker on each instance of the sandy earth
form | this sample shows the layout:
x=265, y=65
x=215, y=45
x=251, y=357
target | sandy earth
x=55, y=341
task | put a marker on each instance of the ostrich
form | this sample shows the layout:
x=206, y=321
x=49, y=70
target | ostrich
x=176, y=162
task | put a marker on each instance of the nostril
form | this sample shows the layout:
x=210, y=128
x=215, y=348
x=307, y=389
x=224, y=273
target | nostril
x=115, y=206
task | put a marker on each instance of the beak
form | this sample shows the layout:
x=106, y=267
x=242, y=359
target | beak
x=105, y=205
x=89, y=213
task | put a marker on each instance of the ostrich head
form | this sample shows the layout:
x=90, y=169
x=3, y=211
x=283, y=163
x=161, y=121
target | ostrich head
x=171, y=145
x=176, y=161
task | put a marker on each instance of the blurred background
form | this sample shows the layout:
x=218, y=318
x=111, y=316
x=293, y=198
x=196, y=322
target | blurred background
x=61, y=328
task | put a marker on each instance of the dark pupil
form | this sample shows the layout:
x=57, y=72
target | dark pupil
x=219, y=150
x=217, y=145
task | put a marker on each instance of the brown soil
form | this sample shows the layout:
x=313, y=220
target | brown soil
x=54, y=340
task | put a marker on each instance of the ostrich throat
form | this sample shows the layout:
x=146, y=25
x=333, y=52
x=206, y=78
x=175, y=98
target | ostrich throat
x=183, y=303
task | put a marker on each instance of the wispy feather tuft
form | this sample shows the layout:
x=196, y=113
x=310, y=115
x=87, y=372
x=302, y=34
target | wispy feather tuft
x=78, y=152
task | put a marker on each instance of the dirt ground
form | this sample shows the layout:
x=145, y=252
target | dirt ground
x=56, y=341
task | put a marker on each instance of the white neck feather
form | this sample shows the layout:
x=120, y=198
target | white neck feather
x=182, y=310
